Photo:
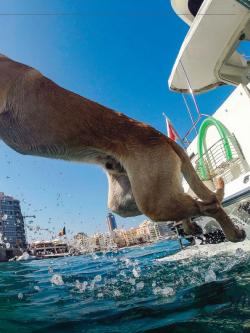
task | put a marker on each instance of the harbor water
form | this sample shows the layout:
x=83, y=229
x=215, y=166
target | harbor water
x=130, y=290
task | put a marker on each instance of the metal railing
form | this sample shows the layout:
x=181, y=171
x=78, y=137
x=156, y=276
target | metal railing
x=216, y=163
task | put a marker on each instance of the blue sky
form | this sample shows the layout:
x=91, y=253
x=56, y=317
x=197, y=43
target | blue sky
x=118, y=53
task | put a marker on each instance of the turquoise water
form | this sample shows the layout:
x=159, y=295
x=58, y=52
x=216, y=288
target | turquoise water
x=127, y=291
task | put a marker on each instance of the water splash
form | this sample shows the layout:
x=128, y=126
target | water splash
x=102, y=293
x=57, y=280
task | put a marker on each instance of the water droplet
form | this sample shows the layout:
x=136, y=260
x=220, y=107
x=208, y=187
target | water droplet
x=239, y=252
x=166, y=292
x=57, y=280
x=140, y=285
x=132, y=281
x=117, y=293
x=81, y=286
x=210, y=276
x=20, y=296
x=50, y=269
x=128, y=262
x=136, y=272
x=98, y=278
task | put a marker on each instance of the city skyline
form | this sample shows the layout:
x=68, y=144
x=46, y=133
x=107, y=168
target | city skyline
x=119, y=54
x=146, y=232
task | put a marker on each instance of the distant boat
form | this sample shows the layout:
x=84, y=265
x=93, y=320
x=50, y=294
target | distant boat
x=49, y=249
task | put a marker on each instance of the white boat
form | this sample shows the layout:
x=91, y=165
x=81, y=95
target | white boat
x=208, y=55
x=208, y=58
x=49, y=249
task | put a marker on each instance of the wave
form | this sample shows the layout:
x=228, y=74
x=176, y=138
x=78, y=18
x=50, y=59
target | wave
x=129, y=291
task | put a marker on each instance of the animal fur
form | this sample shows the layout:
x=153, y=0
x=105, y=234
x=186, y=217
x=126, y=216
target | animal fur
x=144, y=167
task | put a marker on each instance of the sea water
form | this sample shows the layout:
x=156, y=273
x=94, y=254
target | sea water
x=130, y=290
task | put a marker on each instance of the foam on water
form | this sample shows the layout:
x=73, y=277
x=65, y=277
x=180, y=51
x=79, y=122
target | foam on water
x=208, y=250
x=57, y=280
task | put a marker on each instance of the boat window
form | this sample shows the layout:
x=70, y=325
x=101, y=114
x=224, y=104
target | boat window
x=194, y=6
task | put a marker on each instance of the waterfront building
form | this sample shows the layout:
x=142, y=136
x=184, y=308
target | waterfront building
x=101, y=242
x=111, y=222
x=96, y=242
x=82, y=242
x=119, y=238
x=150, y=230
x=81, y=237
x=11, y=222
x=147, y=231
x=106, y=242
x=131, y=236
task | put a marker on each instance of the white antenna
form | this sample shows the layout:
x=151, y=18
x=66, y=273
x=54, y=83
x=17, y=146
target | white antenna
x=194, y=122
x=190, y=114
x=191, y=90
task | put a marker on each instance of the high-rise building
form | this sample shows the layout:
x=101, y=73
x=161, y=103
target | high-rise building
x=11, y=221
x=111, y=222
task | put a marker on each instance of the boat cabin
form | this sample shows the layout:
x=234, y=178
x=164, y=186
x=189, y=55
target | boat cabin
x=208, y=56
x=49, y=249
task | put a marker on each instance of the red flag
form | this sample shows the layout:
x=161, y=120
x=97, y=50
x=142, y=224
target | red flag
x=170, y=130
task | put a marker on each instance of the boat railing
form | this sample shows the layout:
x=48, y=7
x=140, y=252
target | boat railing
x=216, y=162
